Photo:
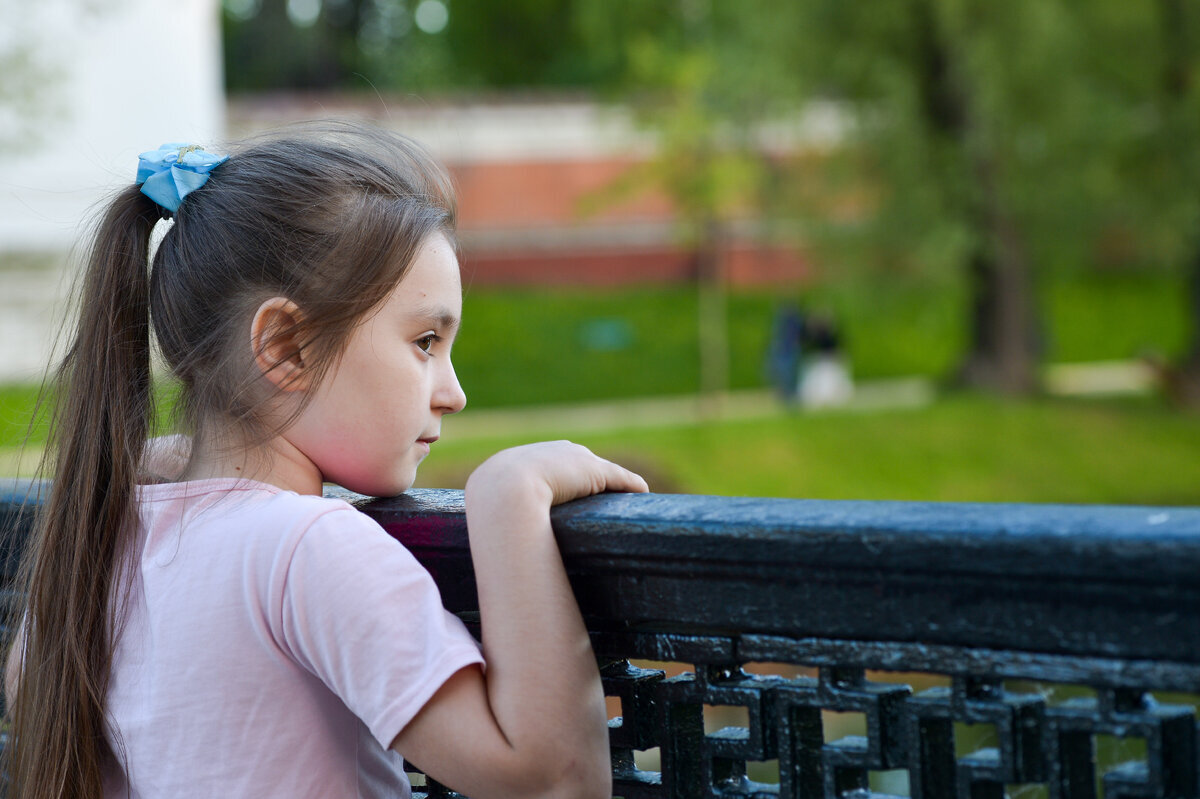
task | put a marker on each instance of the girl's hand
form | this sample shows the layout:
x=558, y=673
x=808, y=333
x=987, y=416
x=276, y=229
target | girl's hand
x=533, y=726
x=556, y=471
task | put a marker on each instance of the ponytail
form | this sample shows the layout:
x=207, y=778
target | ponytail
x=100, y=424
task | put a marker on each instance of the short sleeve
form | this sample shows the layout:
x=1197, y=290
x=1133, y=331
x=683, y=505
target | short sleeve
x=360, y=613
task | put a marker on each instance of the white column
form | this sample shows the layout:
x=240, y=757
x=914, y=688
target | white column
x=118, y=77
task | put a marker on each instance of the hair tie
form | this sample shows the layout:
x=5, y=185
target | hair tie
x=174, y=171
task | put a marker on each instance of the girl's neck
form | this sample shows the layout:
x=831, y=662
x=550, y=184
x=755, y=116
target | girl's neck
x=276, y=462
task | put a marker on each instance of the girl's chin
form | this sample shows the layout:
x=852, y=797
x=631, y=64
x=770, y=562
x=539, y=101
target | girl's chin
x=392, y=490
x=380, y=488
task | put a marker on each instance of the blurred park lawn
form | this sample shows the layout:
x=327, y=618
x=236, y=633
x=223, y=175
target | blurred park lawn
x=962, y=448
x=522, y=347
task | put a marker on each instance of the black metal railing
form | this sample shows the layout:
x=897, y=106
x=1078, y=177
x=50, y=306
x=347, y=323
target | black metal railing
x=764, y=647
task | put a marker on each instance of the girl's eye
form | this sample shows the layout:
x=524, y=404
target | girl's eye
x=426, y=342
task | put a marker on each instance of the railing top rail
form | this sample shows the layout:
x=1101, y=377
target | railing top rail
x=1125, y=543
x=1091, y=581
x=1107, y=582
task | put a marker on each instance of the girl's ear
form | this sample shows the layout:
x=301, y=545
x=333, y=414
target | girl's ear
x=275, y=342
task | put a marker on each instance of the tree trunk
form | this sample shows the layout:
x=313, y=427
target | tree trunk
x=1002, y=352
x=1181, y=382
x=1192, y=358
x=712, y=316
x=1003, y=347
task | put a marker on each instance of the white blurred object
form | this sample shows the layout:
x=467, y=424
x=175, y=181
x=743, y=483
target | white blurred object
x=1099, y=377
x=825, y=381
x=108, y=79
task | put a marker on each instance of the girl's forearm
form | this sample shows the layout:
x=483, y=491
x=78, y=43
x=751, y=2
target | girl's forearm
x=543, y=685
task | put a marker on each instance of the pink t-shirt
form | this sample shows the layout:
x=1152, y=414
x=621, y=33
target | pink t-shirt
x=274, y=645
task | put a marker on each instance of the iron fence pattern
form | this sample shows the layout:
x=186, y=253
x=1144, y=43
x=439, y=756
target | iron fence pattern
x=978, y=651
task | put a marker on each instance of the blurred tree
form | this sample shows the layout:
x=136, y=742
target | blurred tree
x=1179, y=111
x=949, y=158
x=332, y=44
x=959, y=108
x=705, y=178
x=265, y=49
x=692, y=71
x=952, y=108
x=1144, y=122
x=353, y=44
x=30, y=92
x=1008, y=140
x=521, y=44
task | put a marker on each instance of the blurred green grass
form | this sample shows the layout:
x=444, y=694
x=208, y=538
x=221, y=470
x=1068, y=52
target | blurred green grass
x=963, y=448
x=17, y=404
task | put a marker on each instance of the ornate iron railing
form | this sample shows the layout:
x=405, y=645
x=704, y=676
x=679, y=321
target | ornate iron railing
x=762, y=647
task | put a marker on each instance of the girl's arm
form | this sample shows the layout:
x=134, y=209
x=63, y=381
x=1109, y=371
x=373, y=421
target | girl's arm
x=534, y=725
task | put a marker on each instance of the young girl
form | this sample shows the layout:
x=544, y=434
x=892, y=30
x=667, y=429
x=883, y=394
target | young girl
x=228, y=632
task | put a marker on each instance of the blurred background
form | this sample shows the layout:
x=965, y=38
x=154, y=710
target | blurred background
x=915, y=249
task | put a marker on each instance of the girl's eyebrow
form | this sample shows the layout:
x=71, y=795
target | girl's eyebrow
x=439, y=317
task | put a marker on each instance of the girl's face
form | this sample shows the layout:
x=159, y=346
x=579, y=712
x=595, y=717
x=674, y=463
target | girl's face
x=373, y=419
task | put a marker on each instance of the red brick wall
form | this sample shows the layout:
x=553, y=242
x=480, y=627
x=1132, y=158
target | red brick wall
x=745, y=265
x=537, y=219
x=547, y=193
x=528, y=222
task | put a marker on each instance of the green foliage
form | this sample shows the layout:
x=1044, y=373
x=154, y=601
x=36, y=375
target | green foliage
x=521, y=347
x=1066, y=102
x=1086, y=114
x=355, y=45
x=519, y=44
x=363, y=45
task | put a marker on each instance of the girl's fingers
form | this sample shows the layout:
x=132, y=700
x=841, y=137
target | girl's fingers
x=618, y=478
x=596, y=476
x=568, y=470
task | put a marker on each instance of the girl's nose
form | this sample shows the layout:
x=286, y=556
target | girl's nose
x=449, y=396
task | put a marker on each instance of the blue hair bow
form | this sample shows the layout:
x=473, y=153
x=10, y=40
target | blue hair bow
x=173, y=171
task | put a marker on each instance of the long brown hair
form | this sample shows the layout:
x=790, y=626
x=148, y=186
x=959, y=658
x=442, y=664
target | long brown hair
x=330, y=219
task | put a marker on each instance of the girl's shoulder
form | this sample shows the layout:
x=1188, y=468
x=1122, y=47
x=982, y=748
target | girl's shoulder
x=229, y=489
x=246, y=511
